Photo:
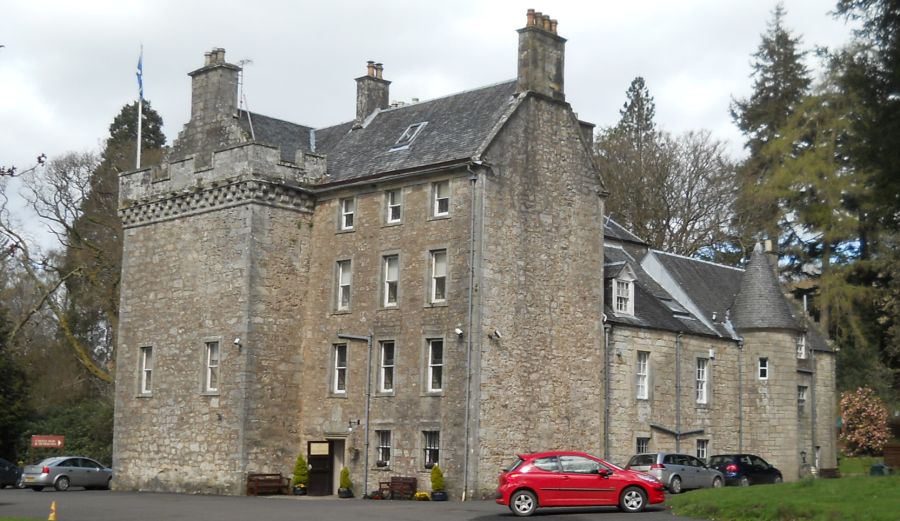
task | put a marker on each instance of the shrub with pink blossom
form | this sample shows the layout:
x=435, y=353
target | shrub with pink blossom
x=865, y=430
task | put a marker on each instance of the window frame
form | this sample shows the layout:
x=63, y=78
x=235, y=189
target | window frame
x=431, y=448
x=211, y=372
x=802, y=350
x=763, y=369
x=347, y=214
x=435, y=280
x=383, y=444
x=340, y=265
x=802, y=398
x=390, y=204
x=620, y=285
x=436, y=199
x=702, y=450
x=642, y=445
x=339, y=372
x=145, y=370
x=702, y=381
x=434, y=368
x=408, y=136
x=385, y=368
x=386, y=281
x=642, y=375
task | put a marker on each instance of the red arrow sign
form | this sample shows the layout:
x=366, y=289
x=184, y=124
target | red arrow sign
x=48, y=441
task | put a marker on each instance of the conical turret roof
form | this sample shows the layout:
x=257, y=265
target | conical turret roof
x=759, y=303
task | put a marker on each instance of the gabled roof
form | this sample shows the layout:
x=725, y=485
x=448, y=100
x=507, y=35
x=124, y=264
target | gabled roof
x=760, y=303
x=614, y=230
x=458, y=126
x=287, y=136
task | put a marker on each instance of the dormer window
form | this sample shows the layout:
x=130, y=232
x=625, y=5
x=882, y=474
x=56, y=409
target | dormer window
x=620, y=289
x=409, y=135
x=624, y=295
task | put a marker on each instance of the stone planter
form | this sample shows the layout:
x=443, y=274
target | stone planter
x=439, y=496
x=345, y=493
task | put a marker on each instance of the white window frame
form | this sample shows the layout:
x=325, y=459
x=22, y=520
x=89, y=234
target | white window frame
x=802, y=353
x=386, y=376
x=146, y=369
x=211, y=362
x=642, y=375
x=763, y=369
x=391, y=281
x=702, y=380
x=702, y=449
x=438, y=286
x=642, y=445
x=623, y=296
x=802, y=394
x=383, y=447
x=348, y=212
x=339, y=361
x=435, y=383
x=393, y=202
x=344, y=284
x=440, y=192
x=431, y=448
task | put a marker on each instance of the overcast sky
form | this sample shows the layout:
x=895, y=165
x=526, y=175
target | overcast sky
x=67, y=67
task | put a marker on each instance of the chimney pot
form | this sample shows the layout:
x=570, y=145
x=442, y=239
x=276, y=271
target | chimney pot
x=529, y=17
x=546, y=22
x=537, y=18
x=378, y=69
x=553, y=26
x=370, y=68
x=207, y=58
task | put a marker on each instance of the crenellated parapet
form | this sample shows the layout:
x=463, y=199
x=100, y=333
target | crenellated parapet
x=242, y=174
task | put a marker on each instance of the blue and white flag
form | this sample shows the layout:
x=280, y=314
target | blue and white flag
x=140, y=73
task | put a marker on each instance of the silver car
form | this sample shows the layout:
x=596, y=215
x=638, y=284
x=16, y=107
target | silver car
x=63, y=472
x=677, y=471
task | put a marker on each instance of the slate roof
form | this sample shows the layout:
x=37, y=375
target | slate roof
x=289, y=137
x=614, y=230
x=457, y=127
x=760, y=303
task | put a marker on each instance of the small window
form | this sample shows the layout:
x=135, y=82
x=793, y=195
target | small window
x=550, y=464
x=384, y=448
x=340, y=369
x=432, y=448
x=435, y=365
x=624, y=296
x=440, y=199
x=344, y=277
x=438, y=276
x=702, y=449
x=409, y=135
x=801, y=398
x=348, y=208
x=387, y=366
x=211, y=382
x=391, y=280
x=763, y=368
x=393, y=206
x=643, y=374
x=642, y=445
x=146, y=364
x=702, y=376
x=801, y=347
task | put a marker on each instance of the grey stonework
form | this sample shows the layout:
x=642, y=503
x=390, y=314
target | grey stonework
x=236, y=239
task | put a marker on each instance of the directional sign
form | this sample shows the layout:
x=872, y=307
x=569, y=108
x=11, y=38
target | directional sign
x=48, y=441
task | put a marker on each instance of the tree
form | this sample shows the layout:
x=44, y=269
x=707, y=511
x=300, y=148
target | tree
x=865, y=422
x=780, y=82
x=674, y=192
x=13, y=394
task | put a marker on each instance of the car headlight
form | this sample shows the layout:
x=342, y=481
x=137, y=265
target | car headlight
x=649, y=478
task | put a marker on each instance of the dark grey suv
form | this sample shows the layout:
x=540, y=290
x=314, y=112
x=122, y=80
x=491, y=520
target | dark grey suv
x=745, y=469
x=677, y=471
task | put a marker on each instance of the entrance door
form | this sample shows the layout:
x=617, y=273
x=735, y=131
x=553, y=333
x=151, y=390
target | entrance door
x=320, y=469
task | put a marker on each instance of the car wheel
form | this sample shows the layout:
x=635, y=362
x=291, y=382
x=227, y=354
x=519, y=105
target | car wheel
x=777, y=479
x=632, y=500
x=717, y=482
x=62, y=484
x=523, y=503
x=106, y=487
x=744, y=482
x=37, y=489
x=675, y=485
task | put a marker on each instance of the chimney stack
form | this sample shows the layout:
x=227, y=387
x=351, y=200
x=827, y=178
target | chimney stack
x=214, y=87
x=372, y=92
x=541, y=57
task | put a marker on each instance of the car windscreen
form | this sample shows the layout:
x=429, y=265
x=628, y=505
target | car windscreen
x=513, y=466
x=719, y=460
x=642, y=460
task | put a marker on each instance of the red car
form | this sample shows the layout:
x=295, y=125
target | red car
x=570, y=479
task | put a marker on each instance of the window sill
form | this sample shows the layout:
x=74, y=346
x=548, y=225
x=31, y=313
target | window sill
x=384, y=394
x=441, y=304
x=439, y=217
x=144, y=395
x=341, y=312
x=211, y=393
x=389, y=225
x=348, y=230
x=389, y=308
x=433, y=394
x=339, y=396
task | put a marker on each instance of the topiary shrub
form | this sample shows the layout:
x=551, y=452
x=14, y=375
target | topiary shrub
x=301, y=472
x=437, y=479
x=345, y=479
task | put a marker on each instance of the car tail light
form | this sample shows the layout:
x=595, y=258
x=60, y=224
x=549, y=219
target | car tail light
x=731, y=468
x=657, y=466
x=45, y=470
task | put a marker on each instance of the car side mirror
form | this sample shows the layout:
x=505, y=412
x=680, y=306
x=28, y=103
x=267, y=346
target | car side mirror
x=603, y=473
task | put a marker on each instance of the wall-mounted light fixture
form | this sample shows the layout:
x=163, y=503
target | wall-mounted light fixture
x=350, y=425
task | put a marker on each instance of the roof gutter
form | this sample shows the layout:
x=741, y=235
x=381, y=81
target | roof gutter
x=392, y=175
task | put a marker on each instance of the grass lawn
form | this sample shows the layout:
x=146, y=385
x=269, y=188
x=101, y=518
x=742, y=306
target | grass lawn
x=845, y=499
x=17, y=519
x=858, y=466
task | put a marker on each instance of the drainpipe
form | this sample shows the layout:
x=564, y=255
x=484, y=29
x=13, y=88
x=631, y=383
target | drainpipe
x=812, y=399
x=607, y=331
x=368, y=340
x=678, y=391
x=473, y=179
x=740, y=346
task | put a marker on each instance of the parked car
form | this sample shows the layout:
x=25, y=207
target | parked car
x=9, y=473
x=63, y=472
x=745, y=469
x=677, y=471
x=568, y=479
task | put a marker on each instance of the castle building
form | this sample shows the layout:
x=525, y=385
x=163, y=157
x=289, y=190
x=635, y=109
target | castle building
x=429, y=283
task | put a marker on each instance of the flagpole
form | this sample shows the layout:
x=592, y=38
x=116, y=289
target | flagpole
x=140, y=78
